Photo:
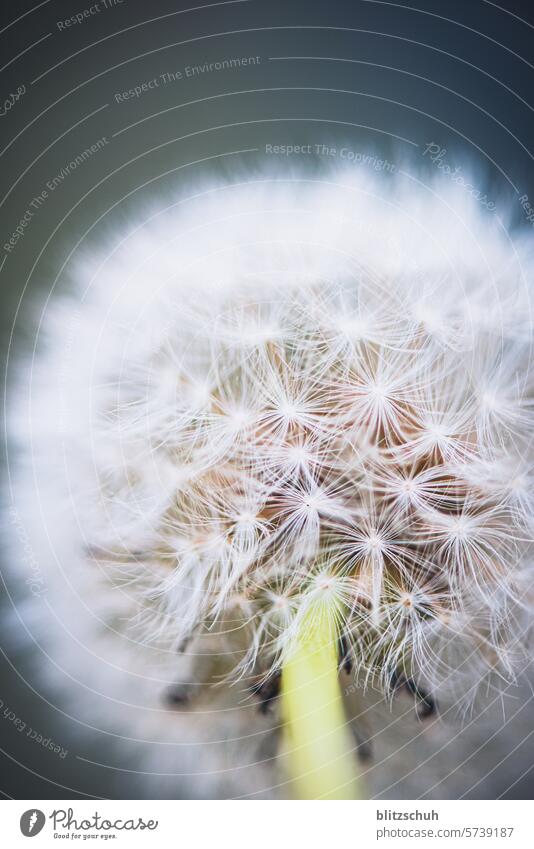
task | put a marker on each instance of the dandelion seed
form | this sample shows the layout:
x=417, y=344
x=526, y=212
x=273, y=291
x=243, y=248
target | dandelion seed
x=317, y=432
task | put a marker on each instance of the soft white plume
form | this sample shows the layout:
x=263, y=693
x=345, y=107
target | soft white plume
x=282, y=391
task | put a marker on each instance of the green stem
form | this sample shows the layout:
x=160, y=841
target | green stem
x=320, y=747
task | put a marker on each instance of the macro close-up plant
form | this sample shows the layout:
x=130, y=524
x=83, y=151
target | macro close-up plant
x=267, y=501
x=309, y=440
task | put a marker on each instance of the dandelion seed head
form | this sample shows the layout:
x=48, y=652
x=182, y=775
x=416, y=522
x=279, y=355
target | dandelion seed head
x=294, y=414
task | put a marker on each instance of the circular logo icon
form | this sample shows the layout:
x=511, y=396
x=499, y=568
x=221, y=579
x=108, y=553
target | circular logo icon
x=32, y=822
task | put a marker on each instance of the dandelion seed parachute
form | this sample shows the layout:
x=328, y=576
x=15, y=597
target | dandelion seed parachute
x=271, y=394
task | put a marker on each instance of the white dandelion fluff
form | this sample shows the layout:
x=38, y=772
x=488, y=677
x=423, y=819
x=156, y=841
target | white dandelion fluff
x=299, y=395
